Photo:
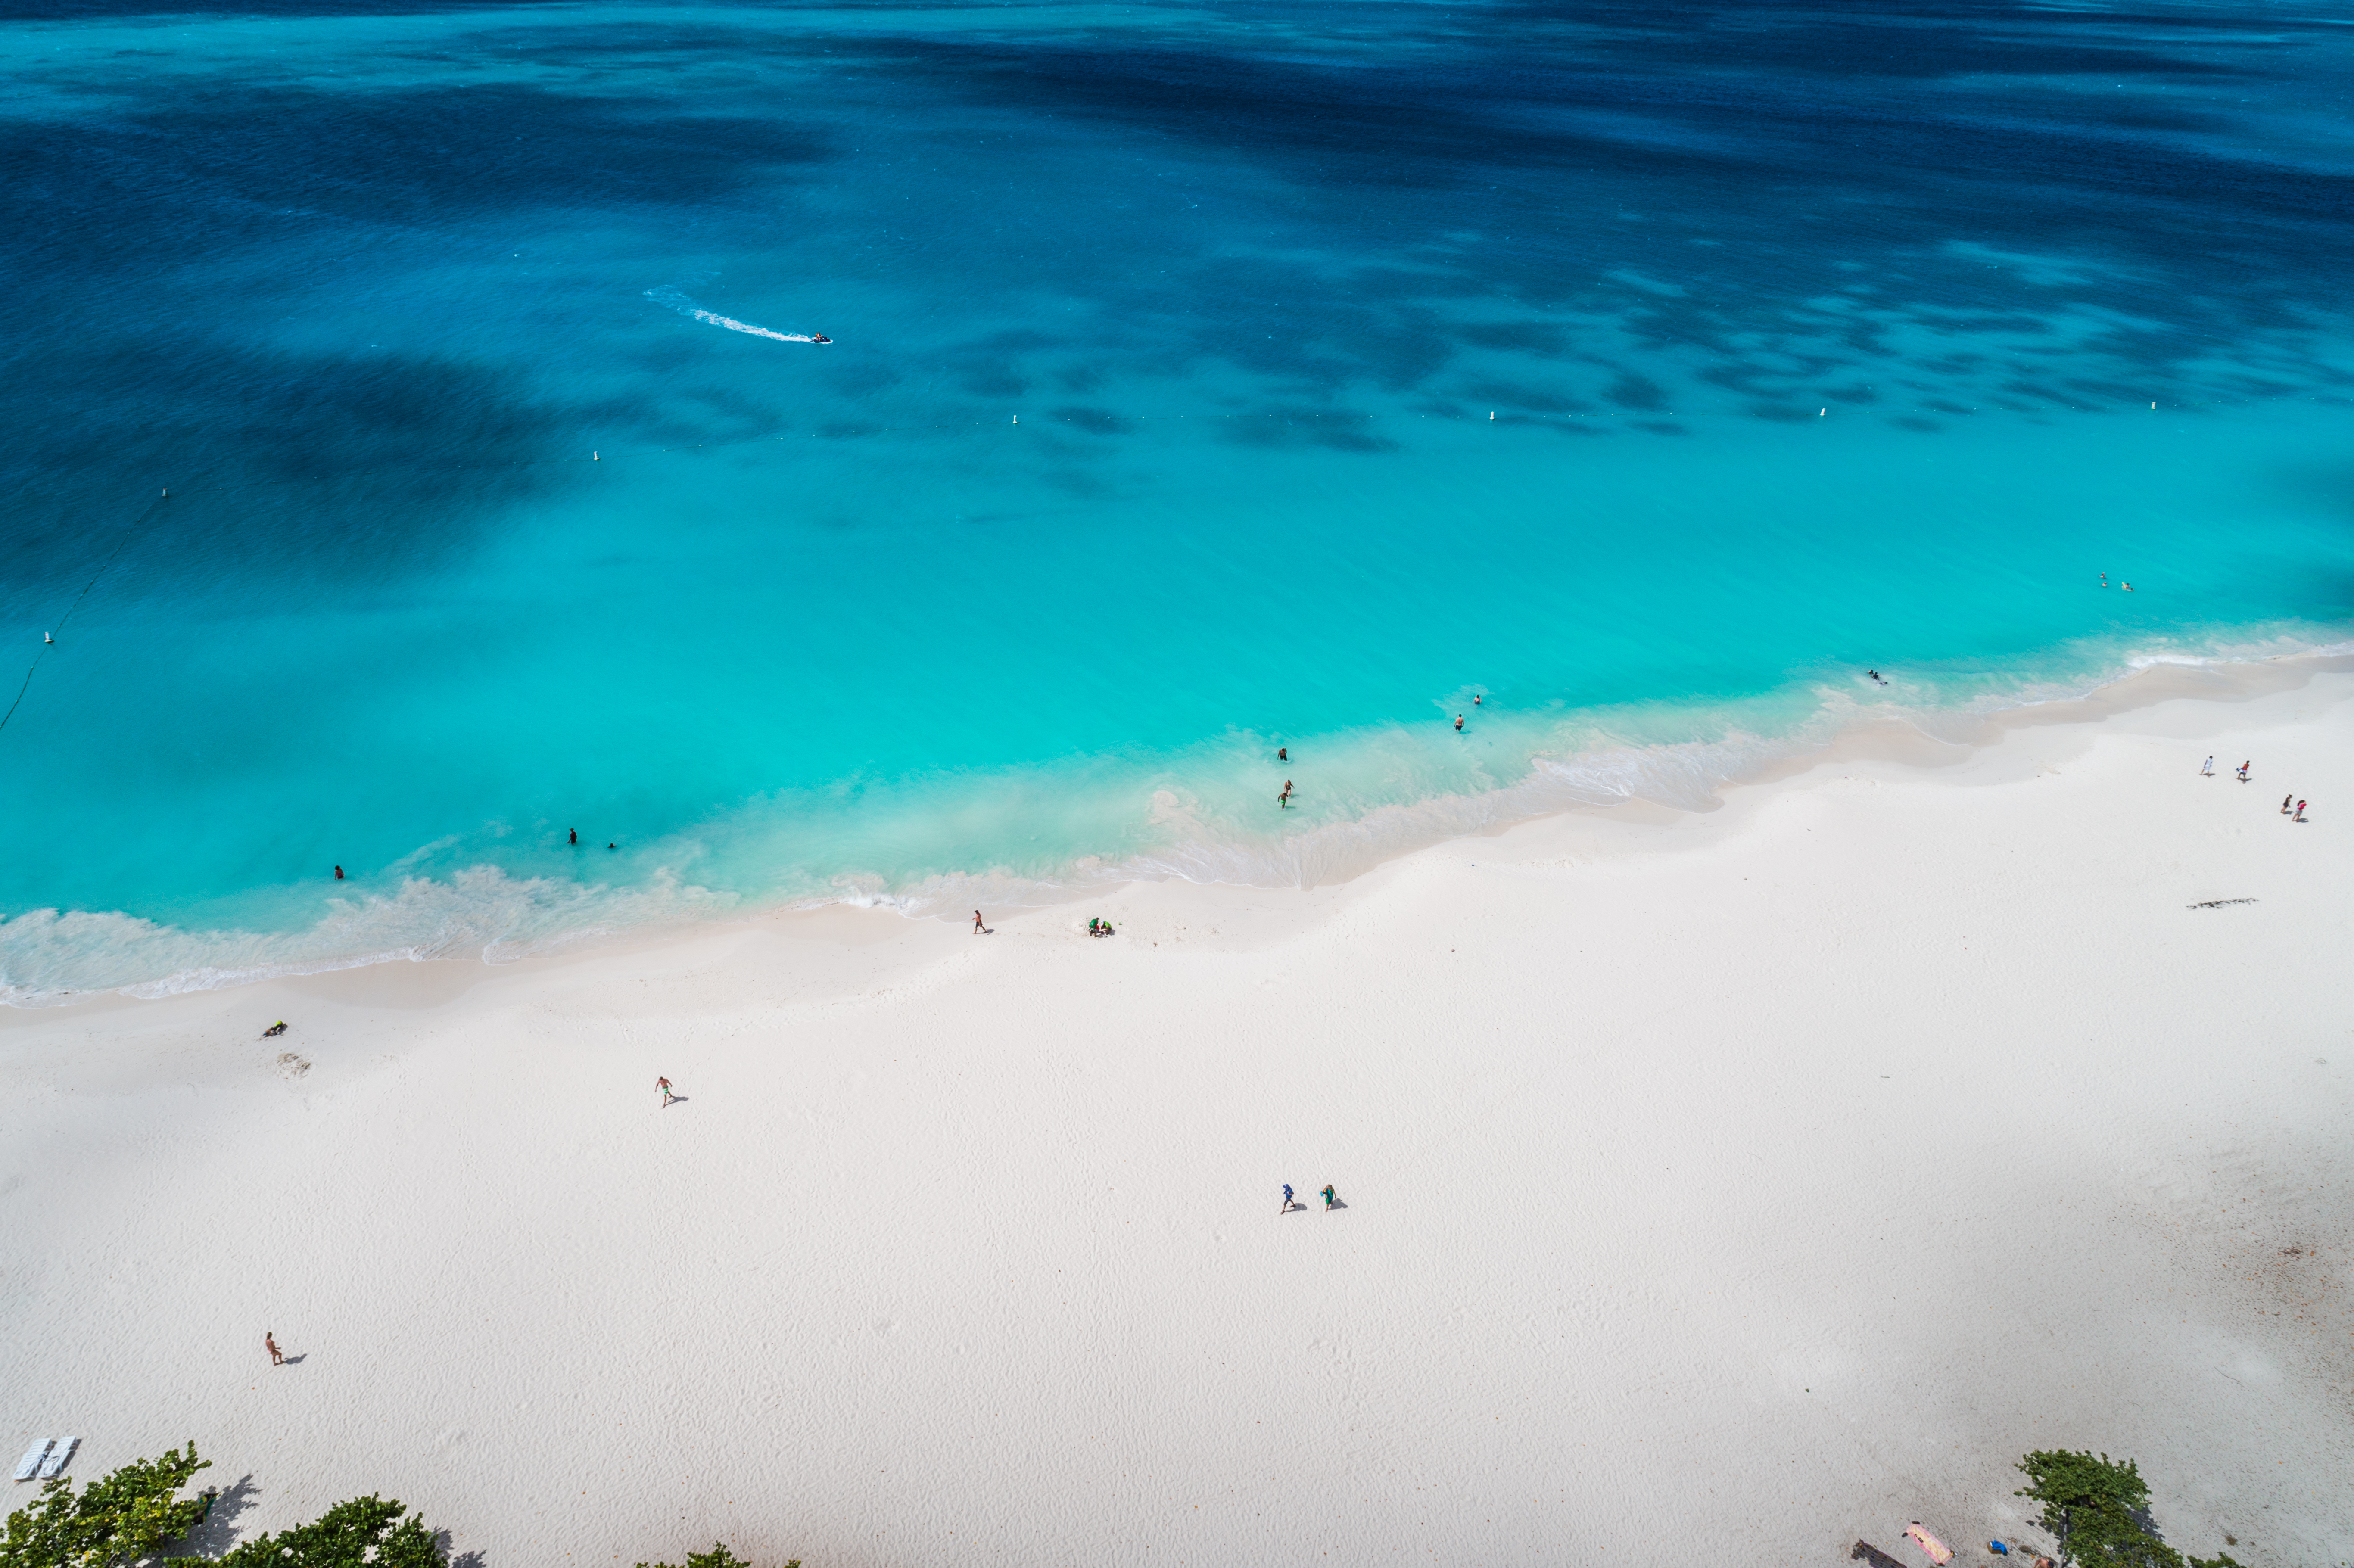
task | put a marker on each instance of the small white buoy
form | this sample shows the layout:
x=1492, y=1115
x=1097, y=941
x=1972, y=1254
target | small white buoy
x=596, y=457
x=1492, y=413
x=1017, y=419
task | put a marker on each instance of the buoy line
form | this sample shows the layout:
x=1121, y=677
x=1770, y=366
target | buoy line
x=1631, y=416
x=48, y=639
x=1628, y=416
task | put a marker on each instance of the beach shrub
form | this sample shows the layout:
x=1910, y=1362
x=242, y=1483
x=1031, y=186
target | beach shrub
x=2098, y=1510
x=121, y=1518
x=718, y=1557
x=366, y=1529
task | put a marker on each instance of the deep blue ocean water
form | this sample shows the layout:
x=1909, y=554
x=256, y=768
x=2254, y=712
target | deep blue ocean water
x=1205, y=378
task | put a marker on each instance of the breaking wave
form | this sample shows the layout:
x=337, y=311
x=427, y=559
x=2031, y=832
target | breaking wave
x=1198, y=817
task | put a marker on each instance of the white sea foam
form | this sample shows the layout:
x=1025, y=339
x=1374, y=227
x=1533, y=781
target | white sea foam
x=1595, y=759
x=666, y=295
x=49, y=957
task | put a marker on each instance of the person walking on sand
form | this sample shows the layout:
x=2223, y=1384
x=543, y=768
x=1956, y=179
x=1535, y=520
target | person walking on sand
x=2286, y=799
x=1330, y=1197
x=269, y=1343
x=2207, y=770
x=978, y=928
x=663, y=1084
x=1287, y=1205
x=2300, y=813
x=2243, y=773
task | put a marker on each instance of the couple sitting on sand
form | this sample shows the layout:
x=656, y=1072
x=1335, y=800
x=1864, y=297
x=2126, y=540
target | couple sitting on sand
x=1099, y=927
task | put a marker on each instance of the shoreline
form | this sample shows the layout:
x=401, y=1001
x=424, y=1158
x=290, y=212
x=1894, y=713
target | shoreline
x=1840, y=1145
x=1342, y=852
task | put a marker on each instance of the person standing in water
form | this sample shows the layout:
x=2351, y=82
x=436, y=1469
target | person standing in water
x=339, y=874
x=575, y=838
x=1284, y=800
x=1283, y=754
x=1476, y=699
x=1458, y=724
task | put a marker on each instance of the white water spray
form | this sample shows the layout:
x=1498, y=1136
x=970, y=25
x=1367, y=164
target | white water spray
x=667, y=295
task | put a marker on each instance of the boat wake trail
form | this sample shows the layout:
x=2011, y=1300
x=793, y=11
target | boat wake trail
x=667, y=295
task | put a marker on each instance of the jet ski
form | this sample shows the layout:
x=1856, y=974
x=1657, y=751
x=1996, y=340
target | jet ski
x=820, y=337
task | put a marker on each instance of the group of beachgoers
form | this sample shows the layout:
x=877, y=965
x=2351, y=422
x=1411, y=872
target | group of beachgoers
x=1283, y=754
x=2104, y=582
x=1331, y=1199
x=1095, y=927
x=2290, y=806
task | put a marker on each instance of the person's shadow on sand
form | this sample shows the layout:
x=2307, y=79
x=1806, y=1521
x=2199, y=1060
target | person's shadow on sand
x=1336, y=1204
x=296, y=1361
x=675, y=1100
x=215, y=1535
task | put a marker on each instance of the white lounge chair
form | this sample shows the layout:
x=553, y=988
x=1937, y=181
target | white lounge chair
x=32, y=1461
x=59, y=1456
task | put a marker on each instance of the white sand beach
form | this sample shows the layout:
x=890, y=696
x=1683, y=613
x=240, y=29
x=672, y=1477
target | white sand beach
x=1730, y=1186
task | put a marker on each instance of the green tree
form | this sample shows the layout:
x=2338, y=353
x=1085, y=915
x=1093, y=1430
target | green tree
x=2098, y=1510
x=366, y=1529
x=718, y=1557
x=123, y=1518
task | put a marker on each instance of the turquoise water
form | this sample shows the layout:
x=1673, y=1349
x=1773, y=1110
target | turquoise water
x=1155, y=433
